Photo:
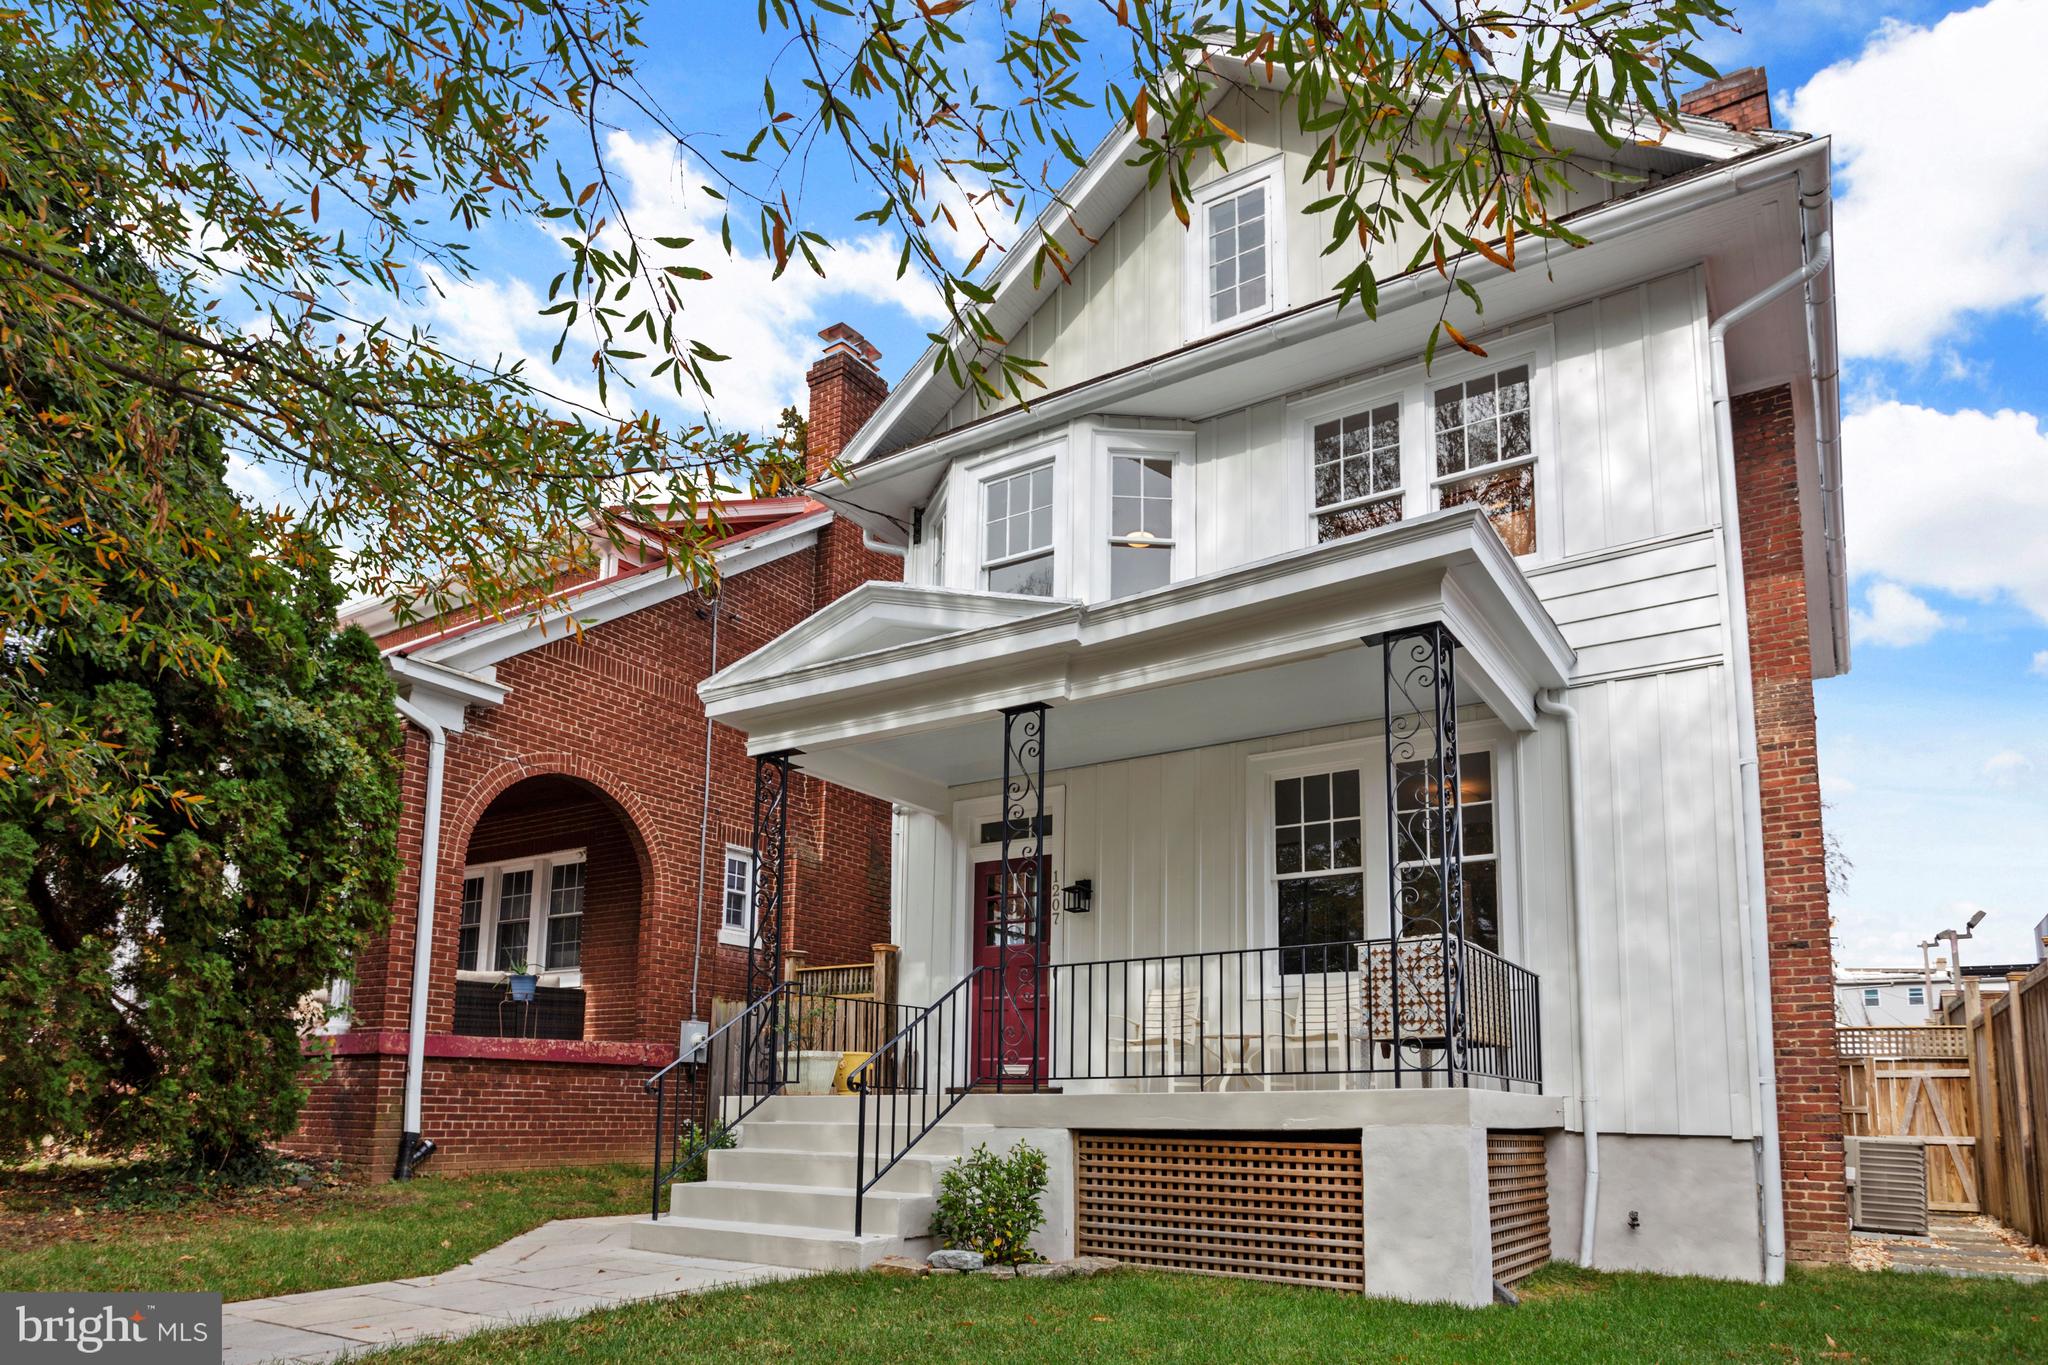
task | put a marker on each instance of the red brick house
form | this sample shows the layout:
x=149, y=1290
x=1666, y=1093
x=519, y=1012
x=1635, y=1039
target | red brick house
x=591, y=830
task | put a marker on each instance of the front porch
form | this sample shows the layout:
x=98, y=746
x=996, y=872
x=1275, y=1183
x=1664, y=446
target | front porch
x=1254, y=830
x=1237, y=860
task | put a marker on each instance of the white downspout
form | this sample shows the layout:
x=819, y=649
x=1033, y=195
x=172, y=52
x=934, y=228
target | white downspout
x=1553, y=704
x=412, y=1148
x=1756, y=907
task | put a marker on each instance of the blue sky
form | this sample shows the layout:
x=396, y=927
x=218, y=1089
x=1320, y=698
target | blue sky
x=1934, y=749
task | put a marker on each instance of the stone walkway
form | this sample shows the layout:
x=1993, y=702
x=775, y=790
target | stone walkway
x=1956, y=1245
x=558, y=1270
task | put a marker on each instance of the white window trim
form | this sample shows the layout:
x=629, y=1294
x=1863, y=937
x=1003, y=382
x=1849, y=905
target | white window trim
x=1195, y=250
x=965, y=562
x=742, y=936
x=1368, y=754
x=542, y=868
x=1412, y=386
x=1108, y=442
x=932, y=562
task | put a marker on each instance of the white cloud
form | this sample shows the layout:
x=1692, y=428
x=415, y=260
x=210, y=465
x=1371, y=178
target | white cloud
x=1893, y=616
x=1949, y=501
x=1941, y=143
x=2007, y=768
x=2039, y=667
x=767, y=326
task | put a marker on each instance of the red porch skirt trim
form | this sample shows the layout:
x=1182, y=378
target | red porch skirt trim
x=391, y=1043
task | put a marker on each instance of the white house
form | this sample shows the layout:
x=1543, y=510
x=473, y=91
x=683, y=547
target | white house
x=1887, y=997
x=1253, y=628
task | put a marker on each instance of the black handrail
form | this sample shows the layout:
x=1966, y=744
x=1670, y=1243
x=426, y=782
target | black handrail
x=924, y=1070
x=750, y=1058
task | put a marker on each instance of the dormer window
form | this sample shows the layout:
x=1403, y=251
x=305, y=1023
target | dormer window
x=1017, y=522
x=1236, y=257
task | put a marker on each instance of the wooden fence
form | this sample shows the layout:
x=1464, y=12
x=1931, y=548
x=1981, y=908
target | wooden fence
x=2009, y=1051
x=1917, y=1083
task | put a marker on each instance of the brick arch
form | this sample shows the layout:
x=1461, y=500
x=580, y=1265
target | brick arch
x=458, y=826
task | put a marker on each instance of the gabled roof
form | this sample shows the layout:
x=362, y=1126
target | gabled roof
x=1099, y=192
x=474, y=647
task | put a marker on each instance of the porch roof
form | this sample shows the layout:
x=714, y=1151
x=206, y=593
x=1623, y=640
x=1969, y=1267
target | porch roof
x=897, y=690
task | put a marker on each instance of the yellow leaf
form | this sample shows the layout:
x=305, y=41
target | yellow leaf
x=1140, y=109
x=1459, y=337
x=1225, y=129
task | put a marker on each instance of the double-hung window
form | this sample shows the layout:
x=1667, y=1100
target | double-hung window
x=1141, y=536
x=1419, y=846
x=1236, y=257
x=1017, y=520
x=1319, y=868
x=736, y=925
x=1870, y=996
x=1357, y=471
x=525, y=912
x=469, y=934
x=1916, y=995
x=1484, y=453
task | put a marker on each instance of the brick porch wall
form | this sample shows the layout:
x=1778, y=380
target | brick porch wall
x=1802, y=958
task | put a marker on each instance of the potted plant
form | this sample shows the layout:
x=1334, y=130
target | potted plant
x=810, y=1062
x=522, y=979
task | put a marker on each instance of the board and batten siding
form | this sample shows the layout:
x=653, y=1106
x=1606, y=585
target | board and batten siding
x=1165, y=839
x=1124, y=300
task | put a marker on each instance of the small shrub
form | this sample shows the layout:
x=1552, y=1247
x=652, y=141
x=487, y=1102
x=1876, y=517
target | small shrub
x=722, y=1138
x=989, y=1204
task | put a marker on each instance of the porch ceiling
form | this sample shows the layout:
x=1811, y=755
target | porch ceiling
x=1265, y=648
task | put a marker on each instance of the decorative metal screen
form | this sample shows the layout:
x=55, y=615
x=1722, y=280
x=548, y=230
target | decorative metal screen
x=1518, y=1195
x=1265, y=1209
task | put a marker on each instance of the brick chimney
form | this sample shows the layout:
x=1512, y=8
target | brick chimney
x=846, y=388
x=1740, y=99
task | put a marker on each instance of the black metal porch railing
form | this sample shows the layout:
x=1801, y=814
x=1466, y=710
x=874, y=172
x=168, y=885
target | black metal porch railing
x=750, y=1058
x=914, y=1080
x=1252, y=1015
x=1374, y=1012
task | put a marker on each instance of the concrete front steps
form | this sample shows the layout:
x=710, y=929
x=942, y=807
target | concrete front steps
x=784, y=1195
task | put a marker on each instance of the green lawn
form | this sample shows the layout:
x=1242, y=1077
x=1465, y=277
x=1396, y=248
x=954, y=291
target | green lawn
x=1820, y=1316
x=55, y=1235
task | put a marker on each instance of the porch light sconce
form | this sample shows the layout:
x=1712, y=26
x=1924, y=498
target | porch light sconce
x=1079, y=898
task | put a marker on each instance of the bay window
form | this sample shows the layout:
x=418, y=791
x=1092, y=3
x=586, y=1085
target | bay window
x=1141, y=538
x=1017, y=527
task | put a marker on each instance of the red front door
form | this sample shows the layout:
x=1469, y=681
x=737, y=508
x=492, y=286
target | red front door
x=1010, y=938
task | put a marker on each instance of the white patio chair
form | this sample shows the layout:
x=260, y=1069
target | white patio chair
x=1170, y=1029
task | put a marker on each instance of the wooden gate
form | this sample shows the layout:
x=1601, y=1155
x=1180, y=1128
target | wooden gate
x=1246, y=1205
x=2009, y=1037
x=1916, y=1082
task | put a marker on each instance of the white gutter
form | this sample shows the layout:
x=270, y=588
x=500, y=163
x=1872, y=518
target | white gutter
x=1755, y=897
x=1642, y=212
x=412, y=1148
x=1552, y=704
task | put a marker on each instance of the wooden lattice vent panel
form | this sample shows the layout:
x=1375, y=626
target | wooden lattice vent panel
x=1518, y=1194
x=1921, y=1040
x=1285, y=1210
